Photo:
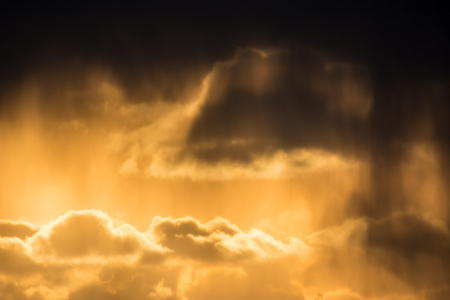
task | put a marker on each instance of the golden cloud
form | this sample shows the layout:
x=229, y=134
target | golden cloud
x=86, y=255
x=88, y=233
x=17, y=229
x=218, y=240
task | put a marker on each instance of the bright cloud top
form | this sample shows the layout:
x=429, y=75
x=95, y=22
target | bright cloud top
x=87, y=255
x=81, y=253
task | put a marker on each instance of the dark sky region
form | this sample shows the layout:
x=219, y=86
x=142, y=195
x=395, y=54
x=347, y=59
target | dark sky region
x=294, y=84
x=402, y=46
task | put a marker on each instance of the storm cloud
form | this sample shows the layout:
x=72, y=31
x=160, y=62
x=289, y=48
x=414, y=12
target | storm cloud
x=228, y=150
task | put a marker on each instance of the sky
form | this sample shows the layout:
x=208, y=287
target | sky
x=191, y=150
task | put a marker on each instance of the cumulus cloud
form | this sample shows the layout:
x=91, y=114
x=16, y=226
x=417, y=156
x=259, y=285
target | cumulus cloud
x=218, y=240
x=88, y=233
x=84, y=255
x=14, y=254
x=17, y=229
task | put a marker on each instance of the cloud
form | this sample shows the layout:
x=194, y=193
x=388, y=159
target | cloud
x=410, y=245
x=14, y=291
x=407, y=234
x=277, y=165
x=340, y=295
x=129, y=281
x=218, y=240
x=236, y=283
x=186, y=139
x=164, y=88
x=400, y=254
x=161, y=291
x=369, y=88
x=88, y=233
x=14, y=254
x=85, y=255
x=438, y=294
x=261, y=98
x=410, y=235
x=17, y=229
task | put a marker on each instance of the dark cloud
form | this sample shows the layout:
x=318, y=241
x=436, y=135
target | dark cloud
x=438, y=294
x=407, y=110
x=259, y=103
x=395, y=52
x=291, y=99
x=410, y=235
x=138, y=45
x=409, y=246
x=403, y=252
x=166, y=43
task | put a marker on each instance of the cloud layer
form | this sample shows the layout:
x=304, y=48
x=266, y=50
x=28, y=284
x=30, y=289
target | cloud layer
x=85, y=255
x=327, y=121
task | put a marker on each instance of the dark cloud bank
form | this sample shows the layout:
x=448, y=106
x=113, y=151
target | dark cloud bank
x=160, y=40
x=397, y=52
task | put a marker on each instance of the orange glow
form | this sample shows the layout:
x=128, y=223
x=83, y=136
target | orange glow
x=105, y=196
